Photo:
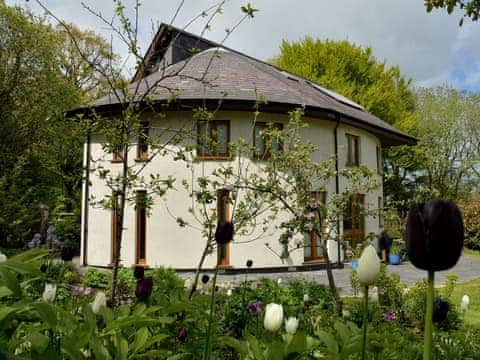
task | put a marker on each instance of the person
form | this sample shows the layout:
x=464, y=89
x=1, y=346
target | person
x=384, y=244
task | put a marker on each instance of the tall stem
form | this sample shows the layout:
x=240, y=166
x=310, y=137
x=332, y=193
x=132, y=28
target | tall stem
x=427, y=348
x=206, y=352
x=365, y=321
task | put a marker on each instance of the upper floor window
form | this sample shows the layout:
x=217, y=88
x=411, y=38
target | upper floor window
x=379, y=161
x=142, y=144
x=212, y=139
x=353, y=150
x=265, y=145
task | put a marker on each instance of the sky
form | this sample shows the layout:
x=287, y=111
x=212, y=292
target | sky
x=430, y=48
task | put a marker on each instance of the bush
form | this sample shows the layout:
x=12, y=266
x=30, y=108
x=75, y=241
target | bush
x=471, y=219
x=96, y=278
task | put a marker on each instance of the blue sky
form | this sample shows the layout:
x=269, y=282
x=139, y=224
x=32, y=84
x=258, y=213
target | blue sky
x=430, y=48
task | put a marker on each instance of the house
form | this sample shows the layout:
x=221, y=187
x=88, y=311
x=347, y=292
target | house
x=337, y=125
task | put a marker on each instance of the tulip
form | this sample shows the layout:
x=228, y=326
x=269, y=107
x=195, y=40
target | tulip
x=389, y=316
x=440, y=310
x=279, y=281
x=3, y=257
x=249, y=263
x=67, y=253
x=434, y=235
x=139, y=272
x=291, y=325
x=49, y=293
x=205, y=278
x=99, y=301
x=255, y=307
x=465, y=302
x=43, y=268
x=88, y=291
x=306, y=298
x=77, y=290
x=273, y=317
x=368, y=266
x=229, y=292
x=182, y=334
x=224, y=232
x=144, y=288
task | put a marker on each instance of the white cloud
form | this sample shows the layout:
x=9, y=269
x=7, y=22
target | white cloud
x=430, y=48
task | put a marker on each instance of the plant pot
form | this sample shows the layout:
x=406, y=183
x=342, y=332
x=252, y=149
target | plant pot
x=354, y=264
x=394, y=259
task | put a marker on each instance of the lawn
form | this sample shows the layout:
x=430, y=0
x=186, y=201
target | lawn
x=472, y=289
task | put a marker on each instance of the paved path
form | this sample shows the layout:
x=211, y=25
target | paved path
x=467, y=268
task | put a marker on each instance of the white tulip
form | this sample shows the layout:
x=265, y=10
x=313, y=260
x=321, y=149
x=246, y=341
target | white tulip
x=465, y=302
x=3, y=257
x=368, y=266
x=291, y=325
x=374, y=294
x=187, y=283
x=306, y=298
x=49, y=293
x=229, y=292
x=279, y=281
x=99, y=301
x=273, y=317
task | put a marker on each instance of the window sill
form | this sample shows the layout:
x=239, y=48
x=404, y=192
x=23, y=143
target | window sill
x=142, y=159
x=223, y=267
x=116, y=161
x=213, y=157
x=313, y=261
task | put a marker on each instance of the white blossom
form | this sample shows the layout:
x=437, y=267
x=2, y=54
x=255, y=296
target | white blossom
x=273, y=317
x=306, y=298
x=368, y=266
x=3, y=257
x=99, y=301
x=279, y=281
x=465, y=302
x=374, y=294
x=291, y=325
x=229, y=292
x=49, y=293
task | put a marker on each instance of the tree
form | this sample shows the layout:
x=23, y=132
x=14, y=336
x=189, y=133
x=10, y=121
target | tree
x=448, y=140
x=354, y=72
x=470, y=8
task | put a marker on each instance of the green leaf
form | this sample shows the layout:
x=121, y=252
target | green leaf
x=254, y=347
x=5, y=291
x=186, y=356
x=298, y=343
x=99, y=350
x=239, y=346
x=39, y=341
x=156, y=339
x=47, y=313
x=20, y=268
x=6, y=311
x=329, y=341
x=141, y=337
x=10, y=281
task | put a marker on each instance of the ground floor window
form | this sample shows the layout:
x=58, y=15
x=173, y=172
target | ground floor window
x=312, y=250
x=223, y=214
x=141, y=226
x=354, y=220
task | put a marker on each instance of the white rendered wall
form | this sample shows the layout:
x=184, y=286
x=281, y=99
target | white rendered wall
x=170, y=245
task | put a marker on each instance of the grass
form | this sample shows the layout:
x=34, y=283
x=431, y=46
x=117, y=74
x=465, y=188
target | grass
x=472, y=289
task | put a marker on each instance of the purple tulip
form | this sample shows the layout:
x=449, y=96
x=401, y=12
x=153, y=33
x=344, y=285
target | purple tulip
x=77, y=290
x=139, y=272
x=205, y=278
x=440, y=310
x=434, y=235
x=144, y=288
x=389, y=316
x=67, y=253
x=182, y=334
x=88, y=291
x=224, y=232
x=255, y=307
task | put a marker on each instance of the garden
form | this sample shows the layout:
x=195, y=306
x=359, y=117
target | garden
x=51, y=311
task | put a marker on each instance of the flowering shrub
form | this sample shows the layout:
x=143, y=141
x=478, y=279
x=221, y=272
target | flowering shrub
x=471, y=219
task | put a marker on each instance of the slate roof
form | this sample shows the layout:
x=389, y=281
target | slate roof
x=222, y=73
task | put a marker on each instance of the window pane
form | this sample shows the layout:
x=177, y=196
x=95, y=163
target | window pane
x=221, y=138
x=307, y=243
x=259, y=140
x=203, y=137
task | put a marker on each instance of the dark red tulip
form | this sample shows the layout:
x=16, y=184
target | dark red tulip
x=224, y=232
x=144, y=288
x=139, y=272
x=43, y=268
x=67, y=253
x=249, y=263
x=205, y=278
x=440, y=310
x=255, y=307
x=434, y=235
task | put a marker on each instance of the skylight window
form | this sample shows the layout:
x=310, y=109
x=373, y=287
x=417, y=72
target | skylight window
x=337, y=96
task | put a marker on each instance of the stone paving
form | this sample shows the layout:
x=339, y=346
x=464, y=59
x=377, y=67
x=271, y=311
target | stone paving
x=467, y=268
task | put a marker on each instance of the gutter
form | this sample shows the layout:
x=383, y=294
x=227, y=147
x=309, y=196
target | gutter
x=337, y=182
x=86, y=195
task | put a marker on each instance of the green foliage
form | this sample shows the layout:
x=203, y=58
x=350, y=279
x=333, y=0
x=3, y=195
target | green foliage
x=168, y=287
x=390, y=289
x=96, y=278
x=471, y=220
x=469, y=8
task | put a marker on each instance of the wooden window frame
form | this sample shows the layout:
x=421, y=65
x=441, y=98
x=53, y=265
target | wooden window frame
x=115, y=207
x=354, y=233
x=353, y=150
x=117, y=156
x=266, y=153
x=223, y=263
x=314, y=256
x=142, y=142
x=381, y=220
x=379, y=161
x=212, y=155
x=140, y=228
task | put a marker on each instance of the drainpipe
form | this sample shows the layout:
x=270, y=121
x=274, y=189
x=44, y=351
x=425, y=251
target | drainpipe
x=86, y=195
x=337, y=183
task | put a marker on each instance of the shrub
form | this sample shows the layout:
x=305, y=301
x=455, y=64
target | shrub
x=96, y=278
x=471, y=219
